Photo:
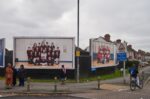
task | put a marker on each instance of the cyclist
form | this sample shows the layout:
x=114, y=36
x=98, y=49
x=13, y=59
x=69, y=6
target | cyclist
x=134, y=73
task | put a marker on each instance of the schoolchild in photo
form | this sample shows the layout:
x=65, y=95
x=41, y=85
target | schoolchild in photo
x=43, y=53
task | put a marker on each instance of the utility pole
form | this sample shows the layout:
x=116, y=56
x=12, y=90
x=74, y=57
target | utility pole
x=78, y=65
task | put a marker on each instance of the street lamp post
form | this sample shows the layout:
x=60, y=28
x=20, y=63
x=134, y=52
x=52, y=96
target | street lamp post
x=78, y=65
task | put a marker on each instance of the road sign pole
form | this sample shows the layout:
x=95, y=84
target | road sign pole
x=124, y=72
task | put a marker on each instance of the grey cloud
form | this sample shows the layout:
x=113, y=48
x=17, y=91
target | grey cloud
x=34, y=12
x=125, y=19
x=49, y=9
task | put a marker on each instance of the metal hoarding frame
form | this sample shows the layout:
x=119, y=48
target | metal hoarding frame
x=3, y=40
x=91, y=53
x=43, y=37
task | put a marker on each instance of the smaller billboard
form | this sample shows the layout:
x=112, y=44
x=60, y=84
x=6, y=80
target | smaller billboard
x=103, y=53
x=2, y=52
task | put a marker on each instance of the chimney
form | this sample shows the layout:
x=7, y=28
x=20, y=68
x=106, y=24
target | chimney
x=118, y=41
x=130, y=46
x=107, y=37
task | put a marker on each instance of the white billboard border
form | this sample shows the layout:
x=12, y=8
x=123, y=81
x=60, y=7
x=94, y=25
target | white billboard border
x=43, y=37
x=91, y=50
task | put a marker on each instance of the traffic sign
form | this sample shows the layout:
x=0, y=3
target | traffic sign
x=77, y=53
x=121, y=48
x=121, y=56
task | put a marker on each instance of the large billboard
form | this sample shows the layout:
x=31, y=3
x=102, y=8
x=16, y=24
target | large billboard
x=103, y=53
x=44, y=52
x=2, y=52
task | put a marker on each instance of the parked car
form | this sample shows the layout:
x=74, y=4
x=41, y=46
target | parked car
x=143, y=64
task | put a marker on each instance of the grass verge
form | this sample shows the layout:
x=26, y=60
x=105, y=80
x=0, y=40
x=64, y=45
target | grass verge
x=116, y=74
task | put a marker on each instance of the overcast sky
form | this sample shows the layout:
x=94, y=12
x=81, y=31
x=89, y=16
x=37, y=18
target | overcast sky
x=128, y=20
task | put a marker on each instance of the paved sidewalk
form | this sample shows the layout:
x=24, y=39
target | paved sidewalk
x=116, y=94
x=113, y=84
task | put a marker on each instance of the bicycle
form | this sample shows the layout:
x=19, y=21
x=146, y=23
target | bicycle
x=133, y=83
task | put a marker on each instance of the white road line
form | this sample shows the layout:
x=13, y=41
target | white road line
x=122, y=90
x=135, y=93
x=1, y=96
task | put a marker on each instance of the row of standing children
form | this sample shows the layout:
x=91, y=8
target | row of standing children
x=43, y=54
x=103, y=55
x=11, y=75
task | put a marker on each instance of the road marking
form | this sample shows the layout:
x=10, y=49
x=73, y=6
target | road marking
x=7, y=95
x=122, y=90
x=135, y=93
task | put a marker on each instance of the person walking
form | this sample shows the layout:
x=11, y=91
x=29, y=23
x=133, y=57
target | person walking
x=63, y=74
x=8, y=76
x=21, y=75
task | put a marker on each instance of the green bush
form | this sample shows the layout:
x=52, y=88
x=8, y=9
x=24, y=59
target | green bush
x=148, y=62
x=130, y=63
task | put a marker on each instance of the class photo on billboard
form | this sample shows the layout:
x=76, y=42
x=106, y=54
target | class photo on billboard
x=43, y=52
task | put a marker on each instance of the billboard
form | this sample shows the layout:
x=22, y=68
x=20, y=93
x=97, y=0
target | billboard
x=2, y=52
x=44, y=52
x=103, y=53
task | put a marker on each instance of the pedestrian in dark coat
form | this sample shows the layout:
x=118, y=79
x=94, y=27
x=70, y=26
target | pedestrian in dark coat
x=14, y=75
x=63, y=74
x=21, y=75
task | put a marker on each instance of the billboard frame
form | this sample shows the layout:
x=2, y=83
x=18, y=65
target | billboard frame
x=44, y=37
x=3, y=39
x=91, y=54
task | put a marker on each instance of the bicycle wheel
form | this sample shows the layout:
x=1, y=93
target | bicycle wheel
x=132, y=85
x=141, y=84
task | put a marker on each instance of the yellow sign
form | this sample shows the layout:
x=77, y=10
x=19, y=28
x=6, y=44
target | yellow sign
x=78, y=53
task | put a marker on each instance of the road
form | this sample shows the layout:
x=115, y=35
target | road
x=41, y=97
x=138, y=94
x=120, y=94
x=107, y=94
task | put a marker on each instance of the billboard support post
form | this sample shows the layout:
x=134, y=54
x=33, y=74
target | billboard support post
x=78, y=74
